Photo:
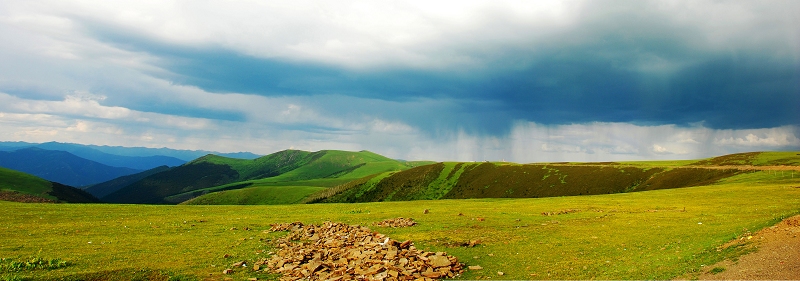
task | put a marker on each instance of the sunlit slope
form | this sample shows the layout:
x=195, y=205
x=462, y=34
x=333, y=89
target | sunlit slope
x=330, y=169
x=503, y=180
x=214, y=173
x=19, y=186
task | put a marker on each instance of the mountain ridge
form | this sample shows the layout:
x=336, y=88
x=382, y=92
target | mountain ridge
x=280, y=167
x=60, y=166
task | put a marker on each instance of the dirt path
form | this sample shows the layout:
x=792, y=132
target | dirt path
x=777, y=256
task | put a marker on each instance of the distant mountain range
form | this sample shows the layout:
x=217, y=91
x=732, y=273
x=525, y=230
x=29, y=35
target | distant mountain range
x=60, y=166
x=87, y=151
x=82, y=165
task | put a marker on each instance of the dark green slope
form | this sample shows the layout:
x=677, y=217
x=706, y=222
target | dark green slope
x=187, y=177
x=212, y=173
x=501, y=180
x=22, y=187
x=105, y=188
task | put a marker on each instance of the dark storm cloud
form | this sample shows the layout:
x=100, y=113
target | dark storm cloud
x=599, y=80
x=474, y=81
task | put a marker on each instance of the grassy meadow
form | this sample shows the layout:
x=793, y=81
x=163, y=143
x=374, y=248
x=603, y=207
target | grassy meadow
x=657, y=234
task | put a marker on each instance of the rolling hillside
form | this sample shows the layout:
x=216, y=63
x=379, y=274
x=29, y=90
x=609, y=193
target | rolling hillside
x=503, y=180
x=105, y=188
x=59, y=166
x=22, y=187
x=215, y=173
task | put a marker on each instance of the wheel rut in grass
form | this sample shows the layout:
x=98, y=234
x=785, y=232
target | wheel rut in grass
x=777, y=256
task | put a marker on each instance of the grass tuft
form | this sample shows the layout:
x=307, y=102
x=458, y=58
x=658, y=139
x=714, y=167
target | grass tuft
x=31, y=263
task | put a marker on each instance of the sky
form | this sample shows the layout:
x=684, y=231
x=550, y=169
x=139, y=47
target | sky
x=521, y=81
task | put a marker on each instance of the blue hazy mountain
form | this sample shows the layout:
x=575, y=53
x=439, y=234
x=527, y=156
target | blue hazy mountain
x=78, y=149
x=61, y=166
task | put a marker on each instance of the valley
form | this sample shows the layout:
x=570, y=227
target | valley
x=626, y=220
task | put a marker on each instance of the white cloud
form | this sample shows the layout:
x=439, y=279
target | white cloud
x=758, y=138
x=417, y=34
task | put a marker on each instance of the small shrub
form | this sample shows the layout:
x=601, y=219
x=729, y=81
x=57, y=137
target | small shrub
x=31, y=263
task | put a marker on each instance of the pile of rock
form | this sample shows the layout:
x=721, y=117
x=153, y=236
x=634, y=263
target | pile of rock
x=397, y=222
x=335, y=251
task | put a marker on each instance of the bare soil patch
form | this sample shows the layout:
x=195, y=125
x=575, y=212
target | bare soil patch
x=777, y=256
x=13, y=196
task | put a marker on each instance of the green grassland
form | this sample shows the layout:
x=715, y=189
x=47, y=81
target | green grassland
x=657, y=234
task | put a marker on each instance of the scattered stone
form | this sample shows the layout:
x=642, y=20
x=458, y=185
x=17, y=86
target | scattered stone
x=225, y=256
x=252, y=279
x=562, y=212
x=480, y=219
x=475, y=267
x=472, y=243
x=397, y=222
x=500, y=273
x=352, y=252
x=238, y=264
x=227, y=271
x=425, y=211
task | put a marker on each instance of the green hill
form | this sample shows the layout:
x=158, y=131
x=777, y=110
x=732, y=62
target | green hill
x=503, y=180
x=105, y=188
x=213, y=173
x=22, y=187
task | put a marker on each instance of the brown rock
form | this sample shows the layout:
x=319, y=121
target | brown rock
x=227, y=271
x=347, y=252
x=439, y=261
x=432, y=274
